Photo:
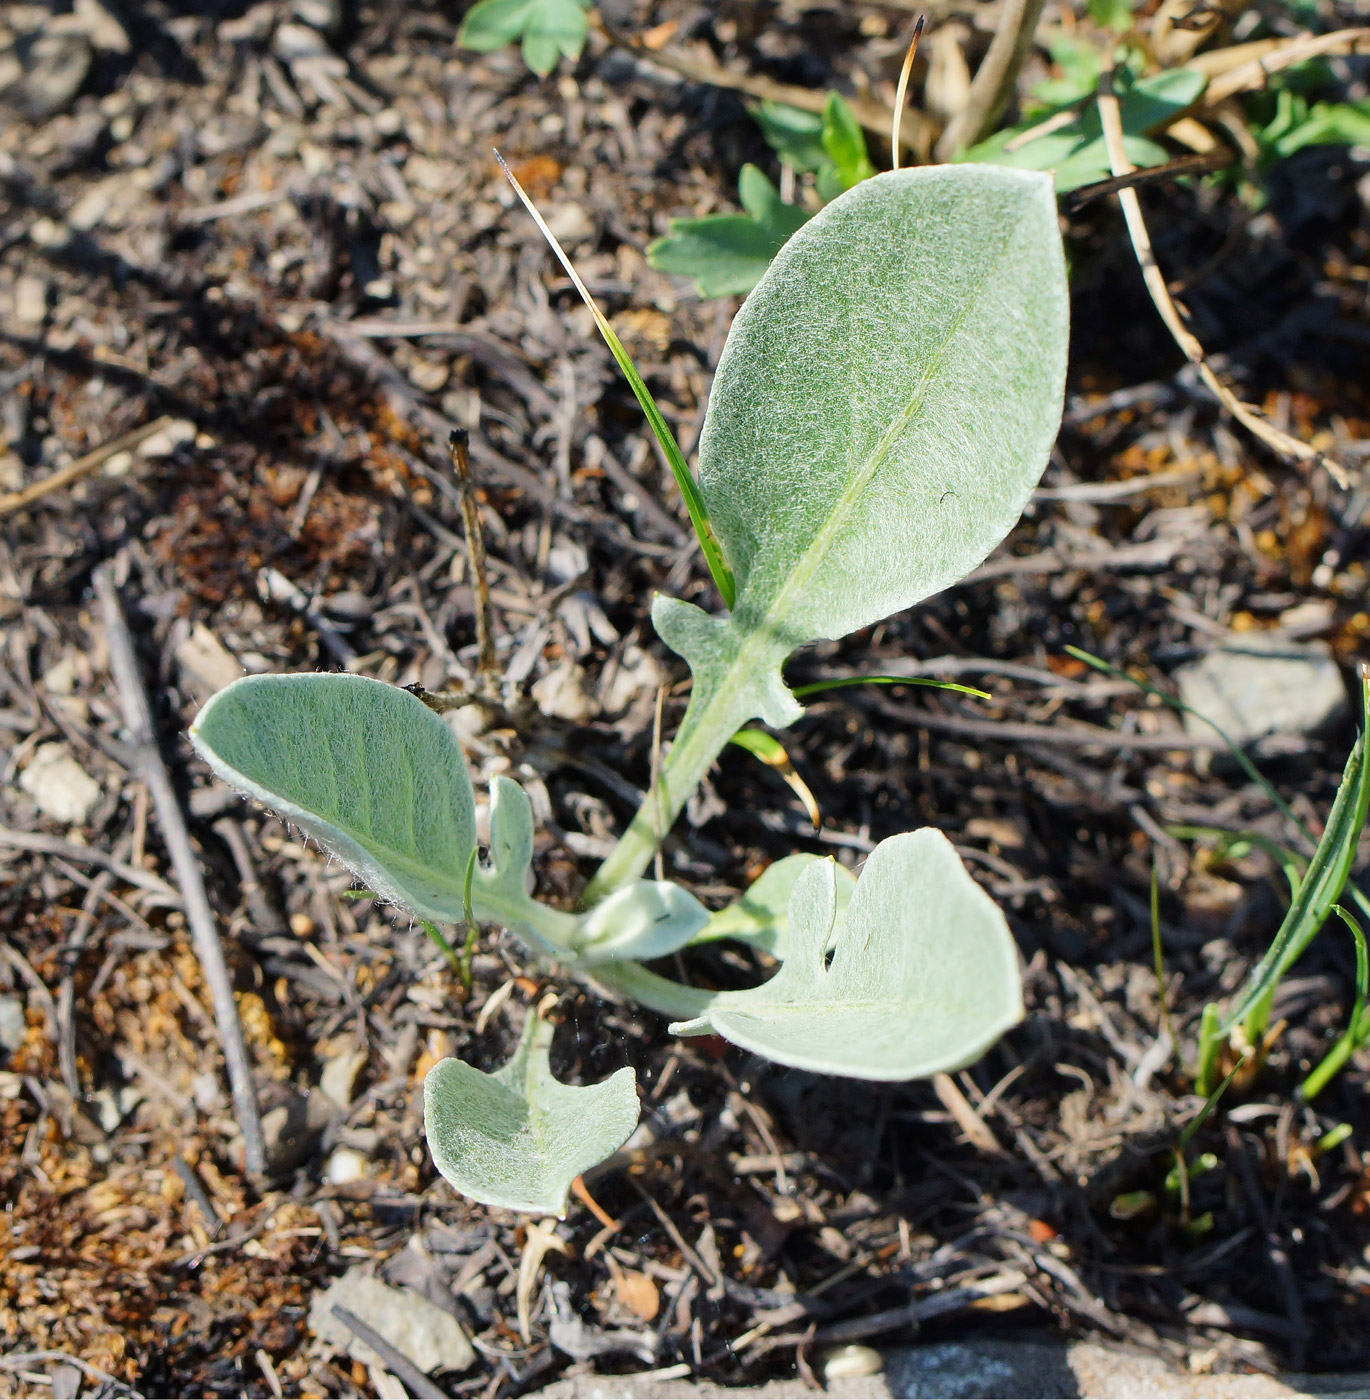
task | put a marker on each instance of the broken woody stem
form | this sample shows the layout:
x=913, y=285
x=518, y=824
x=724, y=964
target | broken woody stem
x=133, y=701
x=457, y=444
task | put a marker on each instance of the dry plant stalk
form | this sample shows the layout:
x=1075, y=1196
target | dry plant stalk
x=1247, y=415
x=1253, y=74
x=486, y=665
x=994, y=79
x=82, y=466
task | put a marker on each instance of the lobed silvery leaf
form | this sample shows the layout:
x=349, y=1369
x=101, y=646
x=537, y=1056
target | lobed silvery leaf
x=761, y=916
x=364, y=768
x=923, y=977
x=380, y=782
x=519, y=1137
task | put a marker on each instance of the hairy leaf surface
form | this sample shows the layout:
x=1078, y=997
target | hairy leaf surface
x=366, y=769
x=761, y=916
x=519, y=1137
x=887, y=397
x=923, y=978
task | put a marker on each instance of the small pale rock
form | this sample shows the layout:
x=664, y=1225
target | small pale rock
x=323, y=15
x=206, y=661
x=560, y=694
x=428, y=376
x=14, y=1028
x=432, y=1339
x=165, y=442
x=340, y=1074
x=570, y=223
x=30, y=300
x=1258, y=683
x=54, y=67
x=637, y=672
x=848, y=1363
x=344, y=1167
x=118, y=465
x=62, y=789
x=62, y=676
x=103, y=30
x=48, y=233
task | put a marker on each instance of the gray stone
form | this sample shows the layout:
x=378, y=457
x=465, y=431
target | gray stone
x=983, y=1370
x=46, y=68
x=59, y=786
x=431, y=1338
x=14, y=1026
x=1259, y=684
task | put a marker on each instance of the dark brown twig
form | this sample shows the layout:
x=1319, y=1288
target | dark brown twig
x=416, y=1382
x=123, y=665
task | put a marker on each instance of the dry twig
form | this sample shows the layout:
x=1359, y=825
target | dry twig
x=82, y=466
x=1248, y=416
x=123, y=665
x=994, y=79
x=1253, y=74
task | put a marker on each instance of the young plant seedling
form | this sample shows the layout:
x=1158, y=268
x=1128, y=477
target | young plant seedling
x=882, y=411
x=549, y=29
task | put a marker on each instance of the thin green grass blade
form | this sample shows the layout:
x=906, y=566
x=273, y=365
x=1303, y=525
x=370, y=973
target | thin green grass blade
x=1319, y=890
x=1210, y=1043
x=1354, y=1033
x=816, y=686
x=689, y=489
x=1186, y=1136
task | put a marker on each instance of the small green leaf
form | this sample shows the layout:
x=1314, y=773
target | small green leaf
x=550, y=29
x=795, y=136
x=519, y=1137
x=364, y=768
x=1328, y=124
x=1111, y=14
x=762, y=916
x=647, y=919
x=727, y=254
x=1072, y=144
x=923, y=978
x=379, y=781
x=845, y=146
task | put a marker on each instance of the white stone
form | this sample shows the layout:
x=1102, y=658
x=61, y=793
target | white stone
x=340, y=1074
x=205, y=660
x=344, y=1167
x=30, y=301
x=560, y=694
x=61, y=788
x=164, y=442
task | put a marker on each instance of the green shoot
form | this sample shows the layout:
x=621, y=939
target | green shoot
x=817, y=687
x=1158, y=956
x=1357, y=1030
x=675, y=458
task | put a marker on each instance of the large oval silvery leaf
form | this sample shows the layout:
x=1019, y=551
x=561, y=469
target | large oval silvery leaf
x=365, y=769
x=519, y=1137
x=887, y=397
x=923, y=977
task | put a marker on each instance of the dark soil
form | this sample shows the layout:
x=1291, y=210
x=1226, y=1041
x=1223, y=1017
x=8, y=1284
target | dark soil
x=322, y=277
